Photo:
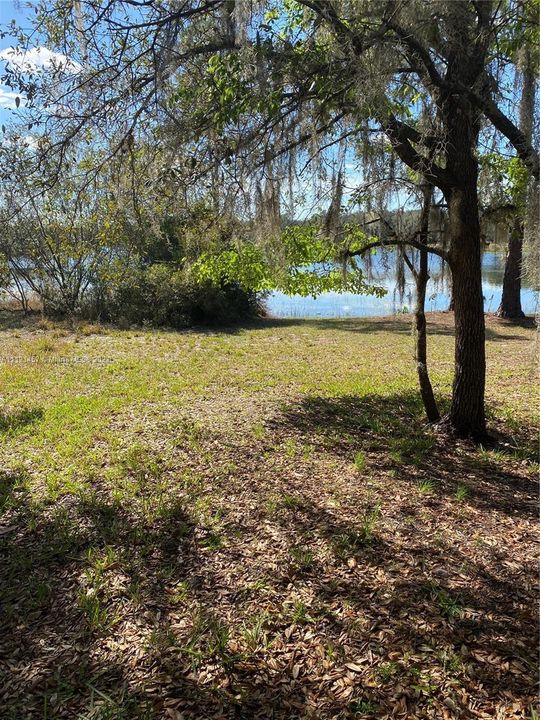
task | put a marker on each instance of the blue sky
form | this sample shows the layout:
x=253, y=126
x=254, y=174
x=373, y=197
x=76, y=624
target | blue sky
x=18, y=11
x=9, y=11
x=36, y=59
x=23, y=15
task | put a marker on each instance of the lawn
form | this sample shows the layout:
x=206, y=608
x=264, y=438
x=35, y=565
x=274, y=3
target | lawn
x=257, y=523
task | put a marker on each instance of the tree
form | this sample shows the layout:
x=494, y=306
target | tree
x=504, y=196
x=297, y=74
x=420, y=274
x=420, y=218
x=58, y=241
x=510, y=306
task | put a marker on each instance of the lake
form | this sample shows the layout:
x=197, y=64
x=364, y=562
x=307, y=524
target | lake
x=333, y=304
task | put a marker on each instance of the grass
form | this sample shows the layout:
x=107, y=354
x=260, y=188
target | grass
x=425, y=487
x=348, y=543
x=387, y=671
x=302, y=558
x=96, y=616
x=362, y=708
x=360, y=461
x=254, y=632
x=450, y=606
x=253, y=523
x=414, y=449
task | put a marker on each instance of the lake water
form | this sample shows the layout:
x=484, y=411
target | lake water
x=333, y=304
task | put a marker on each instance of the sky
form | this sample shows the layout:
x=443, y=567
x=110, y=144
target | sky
x=17, y=10
x=9, y=10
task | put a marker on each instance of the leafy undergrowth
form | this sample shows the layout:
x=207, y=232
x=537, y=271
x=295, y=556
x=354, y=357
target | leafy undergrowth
x=258, y=524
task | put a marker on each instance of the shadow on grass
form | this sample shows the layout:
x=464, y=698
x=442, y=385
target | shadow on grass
x=421, y=596
x=59, y=594
x=397, y=324
x=122, y=608
x=410, y=594
x=395, y=428
x=60, y=627
x=16, y=320
x=9, y=483
x=14, y=420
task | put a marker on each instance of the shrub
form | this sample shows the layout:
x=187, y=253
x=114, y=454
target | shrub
x=162, y=295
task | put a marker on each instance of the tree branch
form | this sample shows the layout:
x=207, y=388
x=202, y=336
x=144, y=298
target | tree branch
x=400, y=136
x=503, y=124
x=410, y=241
x=418, y=51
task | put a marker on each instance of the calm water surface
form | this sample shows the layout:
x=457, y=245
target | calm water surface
x=332, y=304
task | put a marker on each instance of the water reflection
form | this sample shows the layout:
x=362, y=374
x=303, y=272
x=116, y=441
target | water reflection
x=382, y=269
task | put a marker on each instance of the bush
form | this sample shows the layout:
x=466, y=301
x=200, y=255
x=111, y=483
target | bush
x=165, y=296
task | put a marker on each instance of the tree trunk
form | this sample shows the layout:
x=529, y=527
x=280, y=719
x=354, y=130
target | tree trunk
x=451, y=303
x=426, y=389
x=467, y=415
x=510, y=306
x=421, y=277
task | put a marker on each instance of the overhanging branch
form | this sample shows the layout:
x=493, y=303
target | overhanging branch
x=394, y=242
x=504, y=125
x=400, y=138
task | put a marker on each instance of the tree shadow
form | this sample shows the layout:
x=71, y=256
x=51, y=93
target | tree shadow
x=438, y=323
x=417, y=598
x=11, y=421
x=9, y=483
x=56, y=567
x=394, y=427
x=129, y=601
x=357, y=325
x=15, y=320
x=61, y=569
x=528, y=321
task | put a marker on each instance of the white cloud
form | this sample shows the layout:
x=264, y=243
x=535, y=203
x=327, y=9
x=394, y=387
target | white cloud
x=7, y=98
x=31, y=142
x=38, y=59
